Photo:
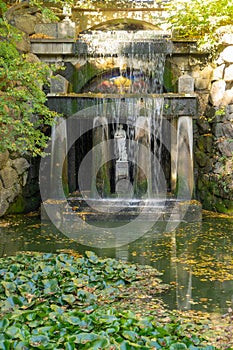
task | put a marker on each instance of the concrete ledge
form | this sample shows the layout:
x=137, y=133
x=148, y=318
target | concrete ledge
x=174, y=104
x=76, y=209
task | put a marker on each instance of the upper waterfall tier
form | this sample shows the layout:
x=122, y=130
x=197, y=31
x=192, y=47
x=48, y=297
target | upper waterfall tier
x=141, y=43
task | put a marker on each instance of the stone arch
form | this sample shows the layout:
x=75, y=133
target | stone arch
x=128, y=24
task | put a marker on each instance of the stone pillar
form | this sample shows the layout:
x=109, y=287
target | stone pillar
x=173, y=154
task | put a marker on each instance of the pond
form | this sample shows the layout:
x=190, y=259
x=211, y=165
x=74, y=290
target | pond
x=196, y=259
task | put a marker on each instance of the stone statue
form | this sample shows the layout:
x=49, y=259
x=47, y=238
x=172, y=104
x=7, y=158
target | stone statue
x=120, y=137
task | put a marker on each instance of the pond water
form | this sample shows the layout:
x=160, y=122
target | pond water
x=196, y=259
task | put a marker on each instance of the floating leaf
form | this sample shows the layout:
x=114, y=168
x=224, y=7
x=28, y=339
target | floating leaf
x=92, y=257
x=39, y=341
x=178, y=346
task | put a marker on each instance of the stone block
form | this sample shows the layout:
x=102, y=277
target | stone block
x=122, y=170
x=202, y=84
x=226, y=148
x=227, y=54
x=61, y=30
x=3, y=159
x=218, y=72
x=228, y=73
x=203, y=126
x=58, y=84
x=66, y=30
x=26, y=23
x=217, y=92
x=227, y=97
x=218, y=130
x=227, y=39
x=4, y=205
x=229, y=109
x=20, y=165
x=185, y=84
x=9, y=177
x=228, y=130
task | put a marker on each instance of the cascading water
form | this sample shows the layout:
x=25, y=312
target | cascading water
x=140, y=72
x=129, y=143
x=127, y=96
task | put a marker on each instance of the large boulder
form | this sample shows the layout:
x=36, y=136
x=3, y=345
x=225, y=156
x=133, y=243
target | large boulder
x=217, y=91
x=227, y=54
x=3, y=159
x=8, y=176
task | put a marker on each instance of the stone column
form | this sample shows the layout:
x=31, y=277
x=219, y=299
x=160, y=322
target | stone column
x=173, y=154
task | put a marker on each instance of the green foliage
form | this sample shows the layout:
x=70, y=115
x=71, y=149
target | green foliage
x=22, y=102
x=199, y=19
x=67, y=302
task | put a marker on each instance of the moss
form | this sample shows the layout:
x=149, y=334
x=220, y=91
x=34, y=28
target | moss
x=18, y=206
x=224, y=206
x=168, y=77
x=83, y=75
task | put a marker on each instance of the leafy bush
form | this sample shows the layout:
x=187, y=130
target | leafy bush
x=199, y=19
x=23, y=112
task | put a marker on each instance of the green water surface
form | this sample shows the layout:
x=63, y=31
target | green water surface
x=196, y=259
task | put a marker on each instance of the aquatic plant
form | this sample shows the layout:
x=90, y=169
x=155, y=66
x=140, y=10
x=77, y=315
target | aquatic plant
x=66, y=301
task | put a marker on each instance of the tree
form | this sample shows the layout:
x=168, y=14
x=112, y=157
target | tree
x=23, y=112
x=199, y=19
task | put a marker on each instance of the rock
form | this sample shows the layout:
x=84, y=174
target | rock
x=219, y=61
x=228, y=73
x=31, y=58
x=4, y=205
x=203, y=126
x=229, y=116
x=23, y=45
x=227, y=54
x=228, y=130
x=218, y=168
x=227, y=97
x=227, y=39
x=9, y=177
x=226, y=148
x=201, y=83
x=3, y=159
x=201, y=158
x=218, y=72
x=25, y=22
x=217, y=91
x=20, y=165
x=58, y=84
x=218, y=130
x=229, y=109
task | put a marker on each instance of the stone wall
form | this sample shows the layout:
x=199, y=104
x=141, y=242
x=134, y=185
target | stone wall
x=214, y=134
x=19, y=186
x=19, y=190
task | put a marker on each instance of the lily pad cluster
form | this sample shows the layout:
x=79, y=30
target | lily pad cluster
x=65, y=301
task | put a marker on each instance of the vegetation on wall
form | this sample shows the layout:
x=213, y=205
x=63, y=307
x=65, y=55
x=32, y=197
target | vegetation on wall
x=23, y=113
x=199, y=19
